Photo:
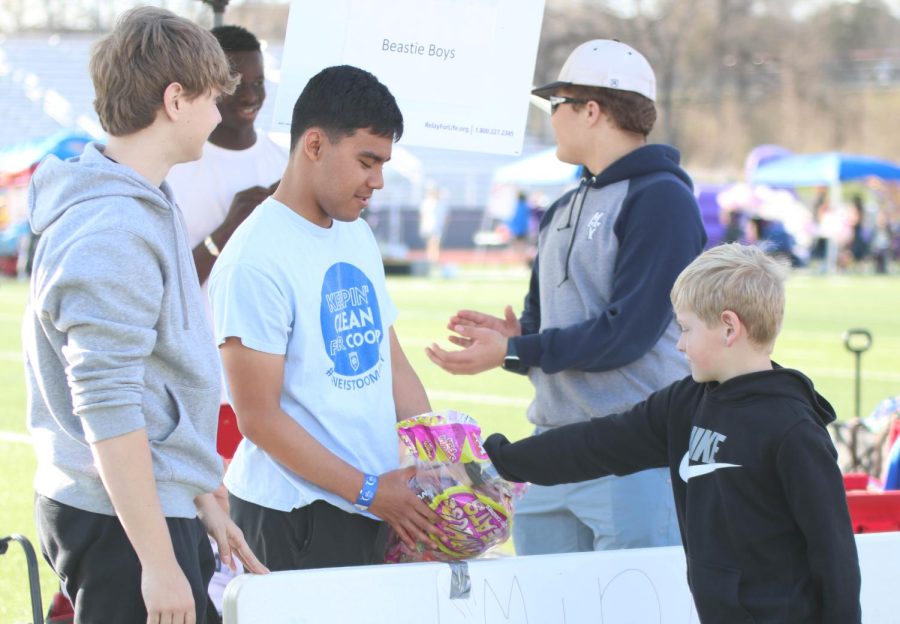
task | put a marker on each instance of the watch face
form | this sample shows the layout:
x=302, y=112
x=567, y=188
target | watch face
x=511, y=363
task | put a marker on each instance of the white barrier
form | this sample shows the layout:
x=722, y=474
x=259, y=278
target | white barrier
x=642, y=586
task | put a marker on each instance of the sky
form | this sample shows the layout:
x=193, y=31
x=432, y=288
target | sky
x=628, y=7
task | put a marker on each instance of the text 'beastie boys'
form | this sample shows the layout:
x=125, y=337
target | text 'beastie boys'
x=418, y=49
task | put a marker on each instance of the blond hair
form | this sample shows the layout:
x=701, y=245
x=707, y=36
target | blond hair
x=148, y=50
x=739, y=278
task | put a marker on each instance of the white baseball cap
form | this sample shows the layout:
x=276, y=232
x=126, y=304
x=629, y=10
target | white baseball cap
x=604, y=63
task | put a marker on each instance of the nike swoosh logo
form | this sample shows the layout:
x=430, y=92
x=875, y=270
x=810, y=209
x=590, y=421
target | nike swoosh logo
x=688, y=472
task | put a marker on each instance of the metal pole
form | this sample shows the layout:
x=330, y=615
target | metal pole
x=858, y=342
x=831, y=245
x=218, y=7
x=34, y=583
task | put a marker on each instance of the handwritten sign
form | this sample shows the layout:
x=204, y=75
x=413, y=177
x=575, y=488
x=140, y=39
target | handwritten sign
x=641, y=585
x=461, y=70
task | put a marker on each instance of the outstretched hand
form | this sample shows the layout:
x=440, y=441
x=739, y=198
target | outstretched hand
x=397, y=504
x=483, y=349
x=508, y=326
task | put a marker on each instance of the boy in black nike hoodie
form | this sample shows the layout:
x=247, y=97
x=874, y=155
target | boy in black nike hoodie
x=760, y=499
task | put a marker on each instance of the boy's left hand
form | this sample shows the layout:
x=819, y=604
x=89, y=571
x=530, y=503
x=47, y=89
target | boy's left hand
x=228, y=536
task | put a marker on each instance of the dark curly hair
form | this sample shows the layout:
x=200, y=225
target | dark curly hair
x=236, y=39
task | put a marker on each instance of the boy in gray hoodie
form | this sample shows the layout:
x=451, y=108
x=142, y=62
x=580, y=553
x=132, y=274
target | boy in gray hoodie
x=123, y=385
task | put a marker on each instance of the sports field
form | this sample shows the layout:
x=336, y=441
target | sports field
x=819, y=310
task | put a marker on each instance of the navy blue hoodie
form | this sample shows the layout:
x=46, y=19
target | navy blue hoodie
x=760, y=499
x=598, y=329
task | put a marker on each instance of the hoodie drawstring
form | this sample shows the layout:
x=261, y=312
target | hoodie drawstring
x=582, y=191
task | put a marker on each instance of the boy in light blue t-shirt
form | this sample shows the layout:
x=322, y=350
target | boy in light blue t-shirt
x=304, y=321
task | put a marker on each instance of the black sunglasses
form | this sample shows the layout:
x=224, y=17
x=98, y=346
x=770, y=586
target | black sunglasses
x=556, y=100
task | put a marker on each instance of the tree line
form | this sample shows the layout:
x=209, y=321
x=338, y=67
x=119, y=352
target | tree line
x=734, y=74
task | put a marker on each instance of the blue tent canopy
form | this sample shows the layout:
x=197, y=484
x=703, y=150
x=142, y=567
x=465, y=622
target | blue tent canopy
x=21, y=156
x=823, y=169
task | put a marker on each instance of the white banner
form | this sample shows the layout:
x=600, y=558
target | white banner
x=646, y=585
x=461, y=70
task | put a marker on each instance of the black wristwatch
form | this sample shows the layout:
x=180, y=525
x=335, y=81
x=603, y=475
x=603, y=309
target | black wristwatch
x=512, y=362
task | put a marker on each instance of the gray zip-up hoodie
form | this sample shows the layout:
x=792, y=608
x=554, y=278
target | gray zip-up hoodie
x=115, y=335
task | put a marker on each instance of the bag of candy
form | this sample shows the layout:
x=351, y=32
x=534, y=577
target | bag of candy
x=457, y=480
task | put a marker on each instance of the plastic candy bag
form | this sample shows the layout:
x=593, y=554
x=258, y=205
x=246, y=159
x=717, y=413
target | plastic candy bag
x=457, y=480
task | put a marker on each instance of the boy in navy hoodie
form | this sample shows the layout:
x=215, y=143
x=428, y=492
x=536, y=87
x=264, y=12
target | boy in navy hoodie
x=760, y=498
x=597, y=334
x=121, y=371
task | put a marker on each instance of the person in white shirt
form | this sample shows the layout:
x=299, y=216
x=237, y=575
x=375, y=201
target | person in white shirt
x=315, y=370
x=239, y=168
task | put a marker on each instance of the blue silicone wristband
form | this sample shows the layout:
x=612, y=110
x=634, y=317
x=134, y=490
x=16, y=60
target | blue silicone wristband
x=367, y=492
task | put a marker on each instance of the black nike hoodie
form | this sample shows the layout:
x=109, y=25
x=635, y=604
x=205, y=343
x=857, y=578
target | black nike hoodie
x=760, y=499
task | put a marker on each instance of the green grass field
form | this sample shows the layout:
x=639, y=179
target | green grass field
x=820, y=309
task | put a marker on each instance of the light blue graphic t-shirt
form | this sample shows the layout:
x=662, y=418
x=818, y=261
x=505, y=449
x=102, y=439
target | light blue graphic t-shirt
x=316, y=296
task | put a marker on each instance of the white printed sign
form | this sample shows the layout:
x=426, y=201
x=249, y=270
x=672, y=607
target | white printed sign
x=461, y=70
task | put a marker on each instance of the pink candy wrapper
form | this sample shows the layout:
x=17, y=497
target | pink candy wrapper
x=457, y=480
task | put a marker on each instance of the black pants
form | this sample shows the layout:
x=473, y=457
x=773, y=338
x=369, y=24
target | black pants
x=318, y=535
x=97, y=564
